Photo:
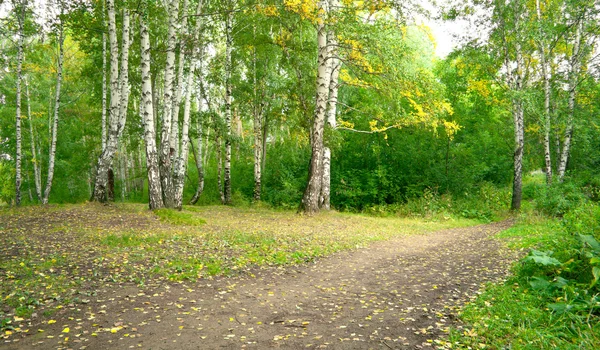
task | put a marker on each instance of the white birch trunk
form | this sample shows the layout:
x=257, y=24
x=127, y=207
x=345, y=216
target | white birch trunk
x=220, y=170
x=573, y=81
x=166, y=149
x=104, y=85
x=37, y=171
x=335, y=62
x=518, y=119
x=101, y=191
x=312, y=194
x=20, y=49
x=124, y=74
x=182, y=159
x=52, y=152
x=547, y=96
x=154, y=184
x=178, y=84
x=228, y=69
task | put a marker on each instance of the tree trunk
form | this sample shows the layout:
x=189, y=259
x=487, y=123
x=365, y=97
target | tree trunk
x=182, y=159
x=228, y=69
x=20, y=49
x=178, y=87
x=220, y=169
x=154, y=184
x=335, y=62
x=199, y=164
x=37, y=171
x=547, y=96
x=518, y=119
x=258, y=128
x=117, y=113
x=166, y=151
x=573, y=82
x=52, y=152
x=104, y=85
x=310, y=200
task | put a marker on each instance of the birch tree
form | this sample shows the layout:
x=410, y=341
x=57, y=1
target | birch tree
x=228, y=99
x=119, y=86
x=37, y=173
x=20, y=8
x=154, y=184
x=55, y=119
x=166, y=149
x=312, y=193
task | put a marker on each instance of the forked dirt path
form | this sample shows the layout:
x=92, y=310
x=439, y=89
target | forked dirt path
x=398, y=294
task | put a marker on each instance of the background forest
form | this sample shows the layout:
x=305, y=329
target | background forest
x=232, y=100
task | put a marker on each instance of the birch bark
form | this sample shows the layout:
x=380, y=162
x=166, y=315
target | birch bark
x=325, y=201
x=166, y=149
x=310, y=200
x=228, y=69
x=573, y=81
x=52, y=153
x=104, y=85
x=547, y=96
x=37, y=173
x=20, y=49
x=154, y=184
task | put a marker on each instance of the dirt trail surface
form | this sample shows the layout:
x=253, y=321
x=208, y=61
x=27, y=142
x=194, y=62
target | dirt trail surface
x=398, y=294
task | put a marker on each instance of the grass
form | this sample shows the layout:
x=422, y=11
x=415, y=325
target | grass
x=55, y=255
x=513, y=316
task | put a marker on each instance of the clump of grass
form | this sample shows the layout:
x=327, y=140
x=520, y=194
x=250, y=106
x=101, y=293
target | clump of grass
x=175, y=217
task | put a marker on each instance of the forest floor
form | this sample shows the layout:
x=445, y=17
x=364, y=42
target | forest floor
x=95, y=277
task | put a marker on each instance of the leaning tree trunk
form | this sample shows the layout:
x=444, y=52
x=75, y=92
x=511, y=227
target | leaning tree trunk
x=573, y=81
x=154, y=184
x=228, y=68
x=37, y=172
x=52, y=152
x=166, y=151
x=117, y=113
x=21, y=44
x=310, y=200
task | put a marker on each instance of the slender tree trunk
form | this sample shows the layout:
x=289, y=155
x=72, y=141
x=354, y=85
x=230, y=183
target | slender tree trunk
x=182, y=159
x=219, y=170
x=518, y=119
x=166, y=149
x=178, y=87
x=258, y=128
x=547, y=96
x=104, y=85
x=154, y=184
x=228, y=69
x=573, y=81
x=310, y=200
x=198, y=153
x=20, y=49
x=335, y=62
x=117, y=112
x=52, y=152
x=37, y=171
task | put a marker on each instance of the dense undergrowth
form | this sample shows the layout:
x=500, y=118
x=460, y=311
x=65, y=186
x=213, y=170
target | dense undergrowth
x=552, y=300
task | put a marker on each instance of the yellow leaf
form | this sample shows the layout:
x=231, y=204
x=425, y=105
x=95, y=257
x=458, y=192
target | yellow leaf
x=51, y=321
x=66, y=330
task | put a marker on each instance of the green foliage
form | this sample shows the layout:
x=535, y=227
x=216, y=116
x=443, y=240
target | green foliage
x=7, y=182
x=553, y=300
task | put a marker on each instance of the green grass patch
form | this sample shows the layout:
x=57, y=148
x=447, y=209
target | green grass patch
x=175, y=217
x=548, y=302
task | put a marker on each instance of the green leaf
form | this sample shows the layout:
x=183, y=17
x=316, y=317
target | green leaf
x=596, y=273
x=590, y=241
x=539, y=283
x=542, y=258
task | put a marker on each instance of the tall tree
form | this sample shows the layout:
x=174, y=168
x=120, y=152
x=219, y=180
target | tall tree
x=118, y=102
x=228, y=99
x=20, y=8
x=57, y=96
x=154, y=184
x=312, y=193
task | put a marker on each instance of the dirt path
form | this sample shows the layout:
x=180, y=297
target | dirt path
x=398, y=294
